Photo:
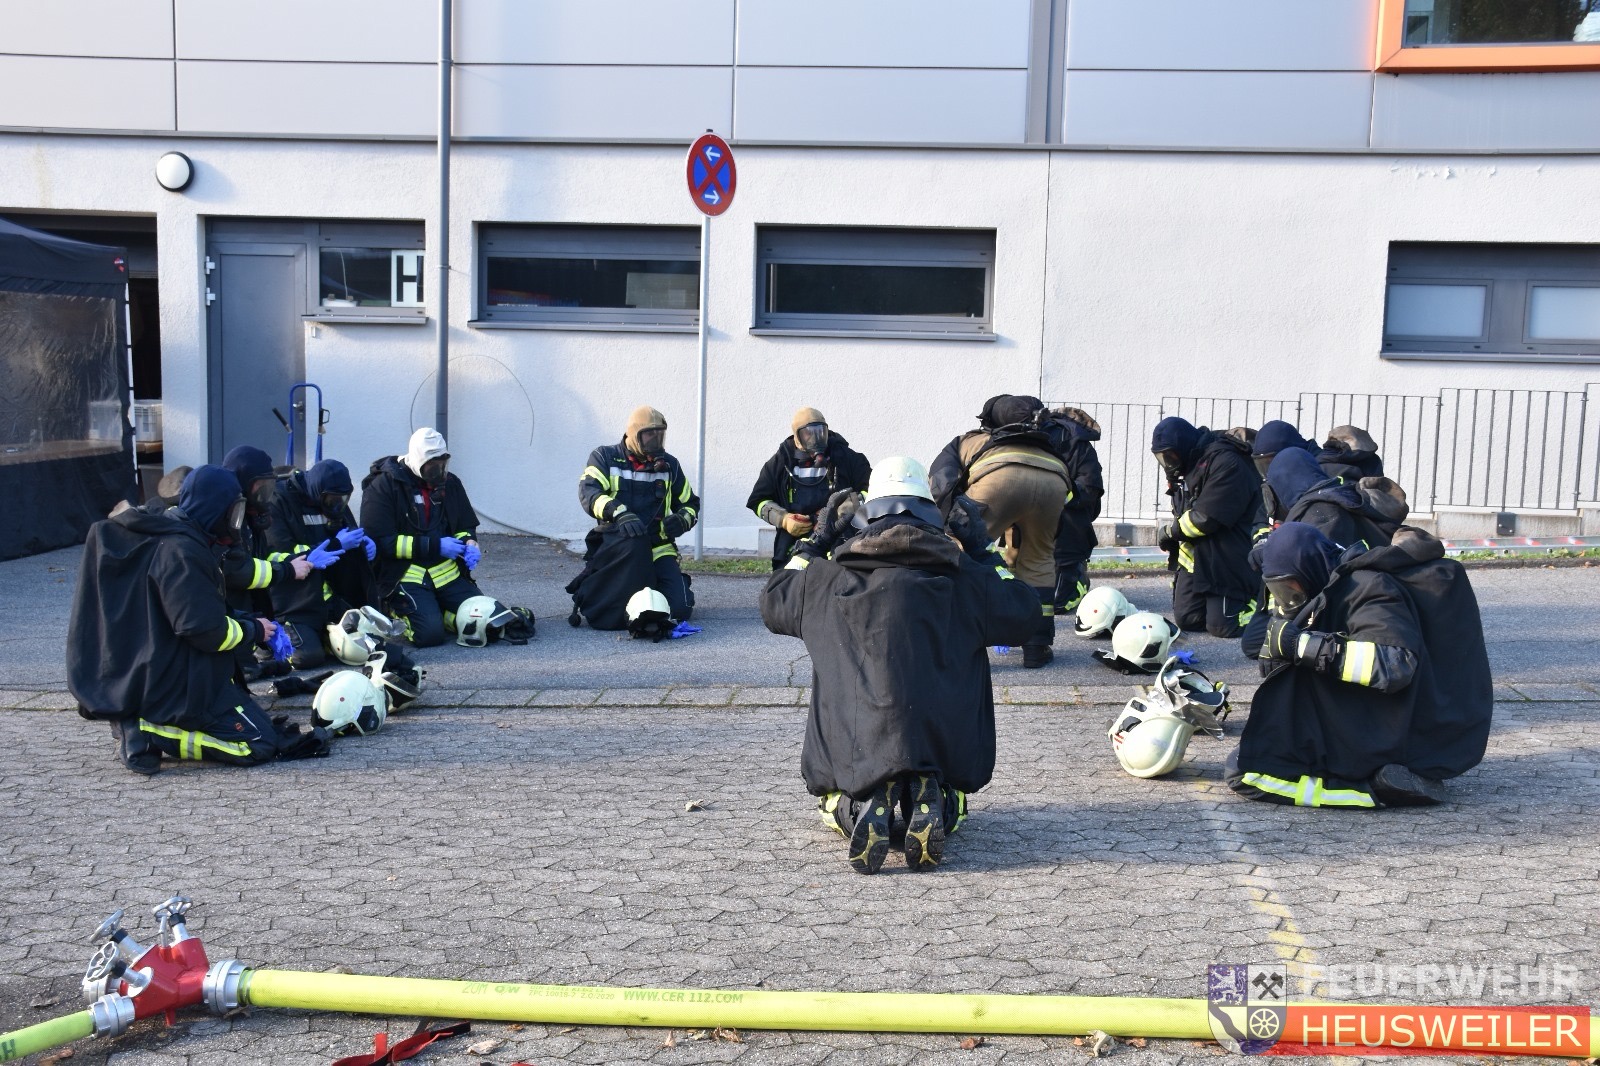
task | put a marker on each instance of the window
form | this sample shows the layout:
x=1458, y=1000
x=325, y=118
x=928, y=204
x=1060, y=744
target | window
x=368, y=270
x=1476, y=35
x=929, y=283
x=589, y=277
x=1537, y=302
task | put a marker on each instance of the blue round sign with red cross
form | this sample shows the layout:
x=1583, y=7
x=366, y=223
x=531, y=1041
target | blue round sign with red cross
x=711, y=174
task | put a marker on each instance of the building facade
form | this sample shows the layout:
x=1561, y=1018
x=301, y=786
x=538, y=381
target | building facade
x=1090, y=200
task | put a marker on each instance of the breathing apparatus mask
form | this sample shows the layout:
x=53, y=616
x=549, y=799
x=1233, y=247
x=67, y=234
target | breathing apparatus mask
x=1275, y=509
x=1263, y=462
x=1287, y=595
x=652, y=441
x=434, y=470
x=1171, y=462
x=813, y=437
x=262, y=490
x=230, y=524
x=333, y=503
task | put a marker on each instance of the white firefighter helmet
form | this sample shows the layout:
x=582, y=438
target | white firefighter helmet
x=400, y=686
x=899, y=476
x=1143, y=640
x=1101, y=608
x=356, y=635
x=1149, y=736
x=476, y=617
x=649, y=614
x=349, y=700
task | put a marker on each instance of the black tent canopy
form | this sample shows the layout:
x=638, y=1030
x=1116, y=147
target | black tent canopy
x=66, y=442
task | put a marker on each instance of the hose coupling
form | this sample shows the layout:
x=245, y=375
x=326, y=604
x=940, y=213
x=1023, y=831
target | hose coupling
x=112, y=1015
x=220, y=989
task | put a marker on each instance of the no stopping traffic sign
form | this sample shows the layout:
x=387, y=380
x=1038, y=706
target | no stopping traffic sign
x=711, y=174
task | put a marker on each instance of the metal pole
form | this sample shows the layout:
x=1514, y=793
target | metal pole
x=441, y=288
x=700, y=392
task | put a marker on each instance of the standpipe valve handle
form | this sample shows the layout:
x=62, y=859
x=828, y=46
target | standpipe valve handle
x=111, y=930
x=169, y=915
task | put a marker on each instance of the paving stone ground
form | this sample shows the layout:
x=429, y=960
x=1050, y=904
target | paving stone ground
x=528, y=824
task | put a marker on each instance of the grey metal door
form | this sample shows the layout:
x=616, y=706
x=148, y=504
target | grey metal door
x=257, y=345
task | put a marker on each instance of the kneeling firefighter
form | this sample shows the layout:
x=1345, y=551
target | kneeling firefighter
x=1073, y=432
x=150, y=641
x=1377, y=680
x=1010, y=469
x=641, y=502
x=811, y=464
x=1216, y=509
x=898, y=622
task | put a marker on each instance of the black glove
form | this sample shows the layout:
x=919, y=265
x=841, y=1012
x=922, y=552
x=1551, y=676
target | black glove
x=630, y=525
x=1284, y=643
x=966, y=524
x=832, y=520
x=676, y=525
x=1166, y=539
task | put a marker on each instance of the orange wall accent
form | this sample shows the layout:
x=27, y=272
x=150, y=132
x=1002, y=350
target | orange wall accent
x=1394, y=57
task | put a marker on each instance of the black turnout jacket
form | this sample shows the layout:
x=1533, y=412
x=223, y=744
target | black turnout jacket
x=791, y=481
x=1407, y=680
x=898, y=624
x=407, y=520
x=150, y=634
x=1217, y=509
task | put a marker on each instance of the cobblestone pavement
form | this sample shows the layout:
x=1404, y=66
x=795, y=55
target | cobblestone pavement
x=528, y=823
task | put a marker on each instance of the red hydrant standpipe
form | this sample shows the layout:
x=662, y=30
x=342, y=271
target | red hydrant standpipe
x=126, y=981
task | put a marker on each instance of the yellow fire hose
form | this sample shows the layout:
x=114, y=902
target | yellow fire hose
x=46, y=1035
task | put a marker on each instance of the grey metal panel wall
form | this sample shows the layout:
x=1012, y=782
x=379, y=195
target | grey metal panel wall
x=117, y=29
x=609, y=32
x=884, y=33
x=592, y=102
x=1487, y=111
x=350, y=31
x=1236, y=35
x=317, y=98
x=1218, y=109
x=881, y=105
x=70, y=93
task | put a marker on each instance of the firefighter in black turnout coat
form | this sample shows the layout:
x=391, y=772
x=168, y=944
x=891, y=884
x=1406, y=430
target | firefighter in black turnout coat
x=311, y=517
x=426, y=531
x=1379, y=685
x=150, y=641
x=1216, y=509
x=811, y=464
x=1072, y=433
x=898, y=623
x=641, y=502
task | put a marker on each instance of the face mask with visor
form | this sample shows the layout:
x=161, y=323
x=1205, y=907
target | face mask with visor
x=652, y=442
x=433, y=471
x=1171, y=462
x=1287, y=595
x=813, y=436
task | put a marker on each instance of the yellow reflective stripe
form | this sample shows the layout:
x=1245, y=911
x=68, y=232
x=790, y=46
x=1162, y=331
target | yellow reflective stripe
x=414, y=575
x=193, y=745
x=234, y=635
x=757, y=508
x=798, y=562
x=1248, y=613
x=301, y=548
x=664, y=552
x=261, y=574
x=1048, y=610
x=1308, y=791
x=598, y=474
x=444, y=573
x=463, y=535
x=278, y=557
x=1267, y=783
x=327, y=592
x=1186, y=556
x=450, y=621
x=1187, y=527
x=690, y=511
x=1005, y=575
x=405, y=546
x=599, y=508
x=1339, y=797
x=684, y=495
x=1360, y=661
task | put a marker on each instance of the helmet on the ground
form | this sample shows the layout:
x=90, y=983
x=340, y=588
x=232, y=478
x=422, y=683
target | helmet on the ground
x=401, y=685
x=1100, y=610
x=359, y=632
x=1140, y=643
x=649, y=615
x=349, y=700
x=476, y=617
x=1200, y=699
x=1149, y=736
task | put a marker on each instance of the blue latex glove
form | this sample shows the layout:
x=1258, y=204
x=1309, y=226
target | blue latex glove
x=1184, y=657
x=472, y=556
x=451, y=548
x=684, y=629
x=282, y=647
x=1002, y=649
x=371, y=546
x=321, y=558
x=349, y=538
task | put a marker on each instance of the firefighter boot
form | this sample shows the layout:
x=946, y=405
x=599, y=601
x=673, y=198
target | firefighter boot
x=1036, y=652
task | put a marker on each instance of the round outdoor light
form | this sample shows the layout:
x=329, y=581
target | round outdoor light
x=174, y=171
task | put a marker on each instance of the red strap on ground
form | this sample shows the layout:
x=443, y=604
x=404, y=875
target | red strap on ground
x=384, y=1055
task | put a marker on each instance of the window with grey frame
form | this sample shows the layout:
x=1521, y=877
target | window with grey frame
x=368, y=270
x=869, y=281
x=589, y=277
x=1518, y=302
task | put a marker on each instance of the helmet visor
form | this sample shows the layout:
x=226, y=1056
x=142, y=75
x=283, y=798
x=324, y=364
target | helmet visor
x=652, y=441
x=1170, y=461
x=813, y=436
x=1288, y=595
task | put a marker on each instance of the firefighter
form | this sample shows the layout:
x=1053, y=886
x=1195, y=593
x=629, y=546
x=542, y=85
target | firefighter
x=1350, y=453
x=1379, y=686
x=311, y=517
x=898, y=623
x=246, y=565
x=1073, y=432
x=1009, y=468
x=641, y=502
x=1216, y=510
x=150, y=642
x=1364, y=514
x=811, y=464
x=1274, y=437
x=426, y=532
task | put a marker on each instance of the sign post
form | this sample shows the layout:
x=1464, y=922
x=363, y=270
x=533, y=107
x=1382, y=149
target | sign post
x=712, y=180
